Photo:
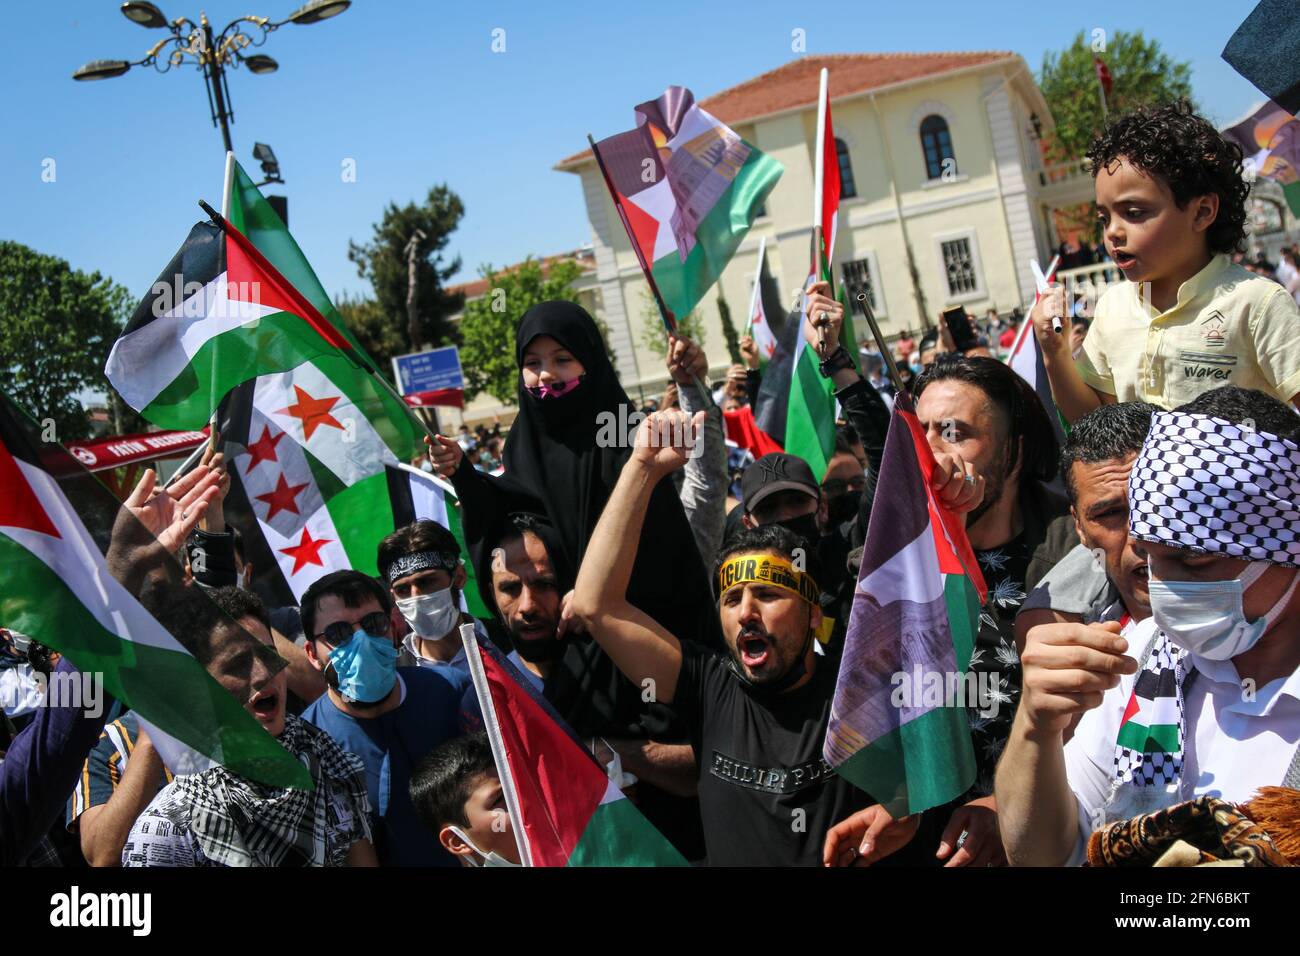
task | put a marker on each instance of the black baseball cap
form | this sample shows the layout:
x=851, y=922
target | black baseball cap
x=776, y=472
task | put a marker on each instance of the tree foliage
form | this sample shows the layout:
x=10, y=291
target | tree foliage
x=653, y=335
x=57, y=325
x=1141, y=74
x=487, y=329
x=383, y=261
x=379, y=334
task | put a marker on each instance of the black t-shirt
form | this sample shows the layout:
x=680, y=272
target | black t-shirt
x=767, y=796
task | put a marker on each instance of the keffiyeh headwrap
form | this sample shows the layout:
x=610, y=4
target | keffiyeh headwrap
x=238, y=822
x=420, y=561
x=1206, y=485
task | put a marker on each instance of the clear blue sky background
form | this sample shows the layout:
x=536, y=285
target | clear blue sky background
x=413, y=92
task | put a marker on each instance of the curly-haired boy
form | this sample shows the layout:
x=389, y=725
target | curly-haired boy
x=1172, y=205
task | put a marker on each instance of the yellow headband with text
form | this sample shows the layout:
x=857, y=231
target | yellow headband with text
x=770, y=570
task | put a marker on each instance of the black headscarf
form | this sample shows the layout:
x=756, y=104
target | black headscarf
x=562, y=458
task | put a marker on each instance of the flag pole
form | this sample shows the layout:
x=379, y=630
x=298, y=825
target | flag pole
x=864, y=306
x=819, y=183
x=758, y=281
x=374, y=373
x=226, y=186
x=669, y=320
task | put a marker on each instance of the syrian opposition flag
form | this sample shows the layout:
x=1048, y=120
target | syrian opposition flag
x=564, y=808
x=219, y=315
x=915, y=615
x=58, y=589
x=690, y=189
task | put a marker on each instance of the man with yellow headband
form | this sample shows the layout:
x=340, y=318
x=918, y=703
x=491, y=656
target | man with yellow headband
x=756, y=717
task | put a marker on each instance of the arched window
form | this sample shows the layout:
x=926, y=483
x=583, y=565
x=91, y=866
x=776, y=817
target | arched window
x=847, y=187
x=936, y=143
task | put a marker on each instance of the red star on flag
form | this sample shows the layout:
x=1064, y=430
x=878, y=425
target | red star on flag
x=263, y=449
x=312, y=412
x=306, y=551
x=283, y=498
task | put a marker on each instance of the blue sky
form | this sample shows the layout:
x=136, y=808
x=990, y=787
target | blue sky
x=413, y=92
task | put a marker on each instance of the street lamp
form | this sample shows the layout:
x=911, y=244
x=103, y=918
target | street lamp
x=196, y=43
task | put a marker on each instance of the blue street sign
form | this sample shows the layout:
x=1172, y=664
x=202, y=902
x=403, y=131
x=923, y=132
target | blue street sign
x=428, y=371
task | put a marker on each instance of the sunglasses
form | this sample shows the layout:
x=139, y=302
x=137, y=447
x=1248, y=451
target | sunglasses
x=340, y=632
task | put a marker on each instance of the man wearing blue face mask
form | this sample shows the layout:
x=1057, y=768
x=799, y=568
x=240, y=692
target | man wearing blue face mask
x=1203, y=698
x=387, y=715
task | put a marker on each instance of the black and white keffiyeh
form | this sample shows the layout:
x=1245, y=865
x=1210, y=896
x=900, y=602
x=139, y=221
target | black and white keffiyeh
x=238, y=822
x=1207, y=485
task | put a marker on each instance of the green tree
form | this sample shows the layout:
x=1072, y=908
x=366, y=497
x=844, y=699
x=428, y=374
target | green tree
x=57, y=325
x=729, y=329
x=653, y=335
x=1141, y=74
x=487, y=329
x=378, y=333
x=384, y=261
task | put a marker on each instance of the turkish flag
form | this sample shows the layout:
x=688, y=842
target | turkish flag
x=1103, y=75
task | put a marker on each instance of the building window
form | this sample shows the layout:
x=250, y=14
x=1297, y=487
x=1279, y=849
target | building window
x=848, y=189
x=860, y=276
x=936, y=143
x=960, y=267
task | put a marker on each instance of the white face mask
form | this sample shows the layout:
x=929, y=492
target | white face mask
x=487, y=859
x=431, y=616
x=1207, y=617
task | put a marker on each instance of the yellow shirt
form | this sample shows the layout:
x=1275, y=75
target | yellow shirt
x=1228, y=327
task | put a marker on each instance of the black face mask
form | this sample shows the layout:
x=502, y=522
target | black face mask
x=843, y=507
x=805, y=526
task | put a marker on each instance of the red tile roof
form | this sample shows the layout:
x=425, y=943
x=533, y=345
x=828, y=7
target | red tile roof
x=795, y=84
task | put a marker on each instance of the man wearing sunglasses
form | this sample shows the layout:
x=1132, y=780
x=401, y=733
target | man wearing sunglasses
x=389, y=716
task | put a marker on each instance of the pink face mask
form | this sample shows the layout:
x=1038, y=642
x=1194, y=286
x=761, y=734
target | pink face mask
x=553, y=389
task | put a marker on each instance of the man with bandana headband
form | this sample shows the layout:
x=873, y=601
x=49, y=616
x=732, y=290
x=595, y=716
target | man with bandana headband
x=757, y=715
x=422, y=565
x=1202, y=698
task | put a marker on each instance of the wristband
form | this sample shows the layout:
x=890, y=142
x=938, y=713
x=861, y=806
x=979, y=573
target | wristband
x=840, y=359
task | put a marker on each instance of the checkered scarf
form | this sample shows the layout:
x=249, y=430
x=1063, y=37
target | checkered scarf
x=1207, y=485
x=238, y=822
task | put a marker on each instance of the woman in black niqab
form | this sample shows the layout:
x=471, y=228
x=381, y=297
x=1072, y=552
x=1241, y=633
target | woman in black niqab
x=563, y=456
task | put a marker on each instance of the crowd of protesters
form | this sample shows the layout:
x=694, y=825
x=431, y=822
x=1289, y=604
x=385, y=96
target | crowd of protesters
x=1142, y=567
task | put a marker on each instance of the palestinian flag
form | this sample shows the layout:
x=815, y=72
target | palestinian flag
x=58, y=589
x=690, y=189
x=741, y=429
x=915, y=613
x=1151, y=719
x=564, y=808
x=1026, y=358
x=218, y=315
x=810, y=408
x=829, y=162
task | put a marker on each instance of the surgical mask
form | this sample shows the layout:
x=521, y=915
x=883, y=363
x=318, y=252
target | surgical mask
x=554, y=389
x=488, y=859
x=366, y=667
x=431, y=616
x=1207, y=617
